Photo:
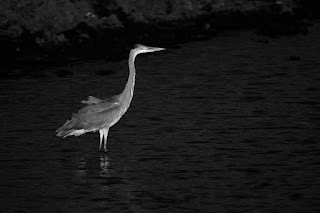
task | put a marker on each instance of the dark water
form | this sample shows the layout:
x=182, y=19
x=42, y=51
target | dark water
x=226, y=125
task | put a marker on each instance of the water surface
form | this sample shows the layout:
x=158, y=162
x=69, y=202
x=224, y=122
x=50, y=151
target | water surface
x=225, y=125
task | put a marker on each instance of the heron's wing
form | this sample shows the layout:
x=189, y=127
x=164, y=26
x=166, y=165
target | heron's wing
x=91, y=100
x=97, y=114
x=96, y=119
x=91, y=118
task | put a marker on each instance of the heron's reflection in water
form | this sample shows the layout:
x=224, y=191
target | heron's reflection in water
x=105, y=172
x=104, y=164
x=115, y=186
x=81, y=172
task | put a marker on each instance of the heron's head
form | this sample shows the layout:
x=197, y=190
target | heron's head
x=139, y=48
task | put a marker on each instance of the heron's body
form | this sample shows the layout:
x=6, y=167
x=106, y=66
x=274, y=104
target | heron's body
x=100, y=115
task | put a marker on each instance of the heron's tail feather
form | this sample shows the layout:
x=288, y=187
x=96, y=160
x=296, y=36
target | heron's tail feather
x=66, y=129
x=69, y=129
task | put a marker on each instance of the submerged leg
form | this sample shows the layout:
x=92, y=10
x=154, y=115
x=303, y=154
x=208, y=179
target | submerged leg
x=101, y=136
x=105, y=134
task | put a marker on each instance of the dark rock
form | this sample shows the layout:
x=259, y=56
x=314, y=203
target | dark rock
x=296, y=196
x=260, y=40
x=294, y=58
x=63, y=73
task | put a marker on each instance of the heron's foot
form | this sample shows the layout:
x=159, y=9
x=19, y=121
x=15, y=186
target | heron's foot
x=103, y=150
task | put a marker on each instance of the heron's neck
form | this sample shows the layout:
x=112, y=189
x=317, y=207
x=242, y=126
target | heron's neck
x=127, y=94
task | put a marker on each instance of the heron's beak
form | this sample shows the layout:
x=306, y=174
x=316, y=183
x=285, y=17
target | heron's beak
x=154, y=49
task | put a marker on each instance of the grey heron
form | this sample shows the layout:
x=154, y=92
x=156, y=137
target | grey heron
x=100, y=114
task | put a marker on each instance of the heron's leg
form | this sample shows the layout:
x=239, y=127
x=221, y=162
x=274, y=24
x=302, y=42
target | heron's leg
x=105, y=134
x=101, y=136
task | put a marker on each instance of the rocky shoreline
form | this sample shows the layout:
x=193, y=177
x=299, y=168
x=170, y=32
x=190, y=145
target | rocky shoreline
x=62, y=30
